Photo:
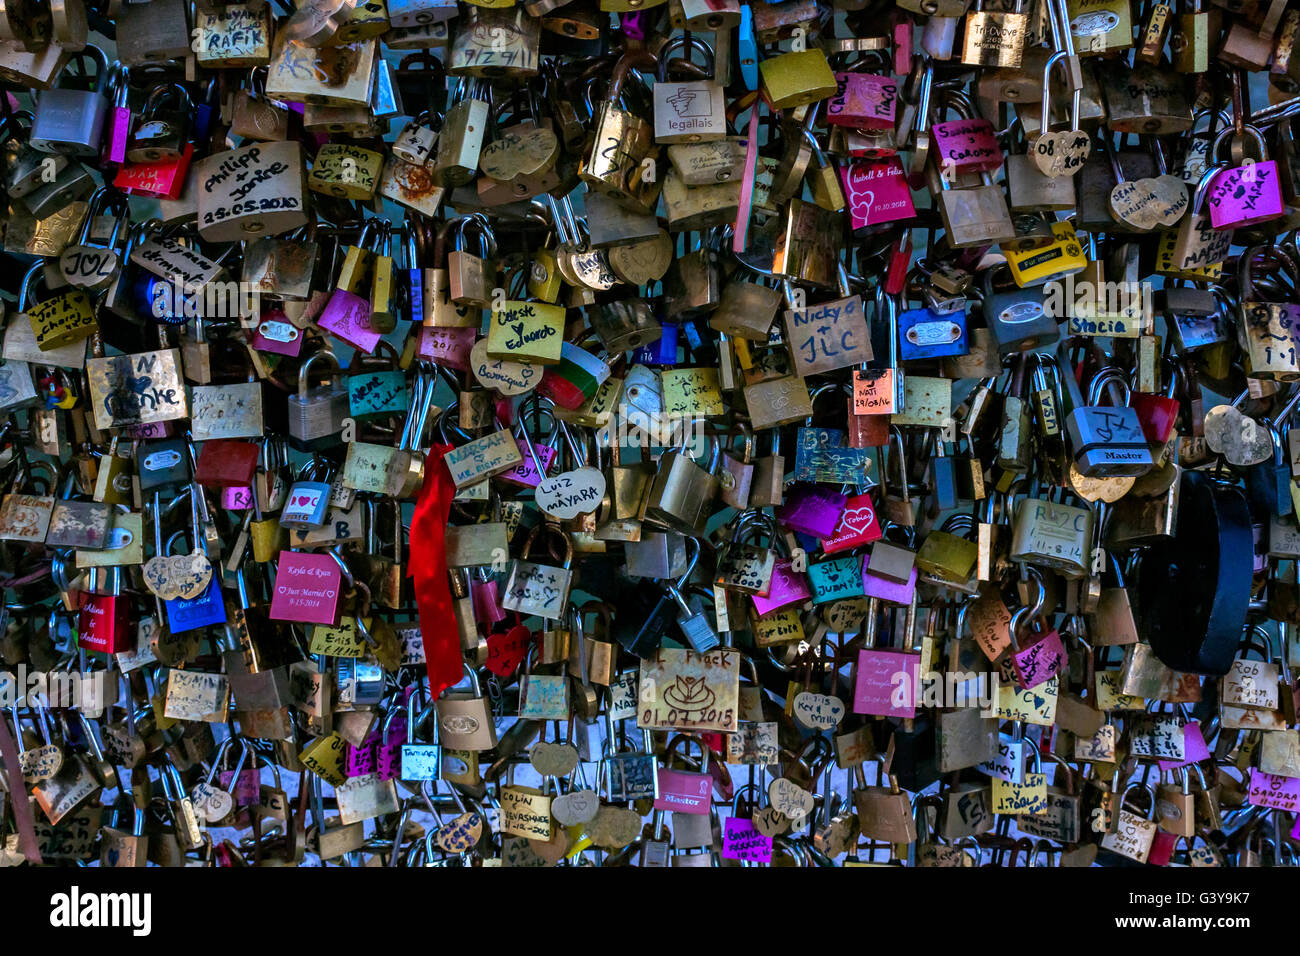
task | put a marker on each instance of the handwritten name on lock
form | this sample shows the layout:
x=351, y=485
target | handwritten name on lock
x=240, y=187
x=1157, y=736
x=138, y=389
x=67, y=317
x=181, y=265
x=876, y=191
x=873, y=392
x=742, y=841
x=1272, y=790
x=526, y=331
x=886, y=683
x=693, y=392
x=482, y=458
x=234, y=33
x=1035, y=706
x=828, y=336
x=345, y=163
x=194, y=695
x=306, y=588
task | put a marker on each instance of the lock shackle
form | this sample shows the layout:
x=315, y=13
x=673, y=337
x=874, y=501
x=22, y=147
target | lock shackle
x=302, y=370
x=1062, y=58
x=690, y=44
x=1232, y=137
x=161, y=94
x=1114, y=382
x=95, y=54
x=638, y=60
x=112, y=200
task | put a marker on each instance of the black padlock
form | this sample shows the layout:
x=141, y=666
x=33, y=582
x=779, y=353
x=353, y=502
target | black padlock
x=164, y=126
x=163, y=463
x=1194, y=589
x=643, y=614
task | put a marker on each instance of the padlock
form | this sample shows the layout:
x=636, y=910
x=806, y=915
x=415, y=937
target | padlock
x=71, y=121
x=162, y=131
x=690, y=111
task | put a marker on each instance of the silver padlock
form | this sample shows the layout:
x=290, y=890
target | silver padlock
x=72, y=121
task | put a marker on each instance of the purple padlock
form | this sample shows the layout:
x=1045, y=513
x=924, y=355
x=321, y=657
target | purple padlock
x=526, y=473
x=812, y=509
x=874, y=586
x=237, y=497
x=275, y=333
x=347, y=316
x=1245, y=195
x=788, y=587
x=389, y=752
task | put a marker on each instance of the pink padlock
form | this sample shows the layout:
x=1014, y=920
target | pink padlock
x=966, y=146
x=788, y=587
x=306, y=588
x=526, y=473
x=812, y=509
x=876, y=191
x=389, y=752
x=236, y=497
x=863, y=101
x=483, y=593
x=361, y=760
x=275, y=333
x=249, y=788
x=885, y=683
x=1039, y=660
x=347, y=316
x=1194, y=748
x=448, y=347
x=1245, y=195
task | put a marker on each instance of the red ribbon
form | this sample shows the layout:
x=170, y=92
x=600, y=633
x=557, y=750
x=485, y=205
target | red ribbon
x=428, y=569
x=18, y=796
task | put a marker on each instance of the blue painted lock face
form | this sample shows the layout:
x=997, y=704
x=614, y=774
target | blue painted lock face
x=823, y=455
x=813, y=442
x=378, y=393
x=836, y=579
x=926, y=334
x=662, y=351
x=188, y=614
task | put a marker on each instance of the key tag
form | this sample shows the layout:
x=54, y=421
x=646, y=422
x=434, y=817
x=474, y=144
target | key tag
x=1061, y=152
x=571, y=493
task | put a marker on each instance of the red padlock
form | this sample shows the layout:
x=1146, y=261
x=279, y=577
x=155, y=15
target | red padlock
x=104, y=622
x=224, y=462
x=1158, y=413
